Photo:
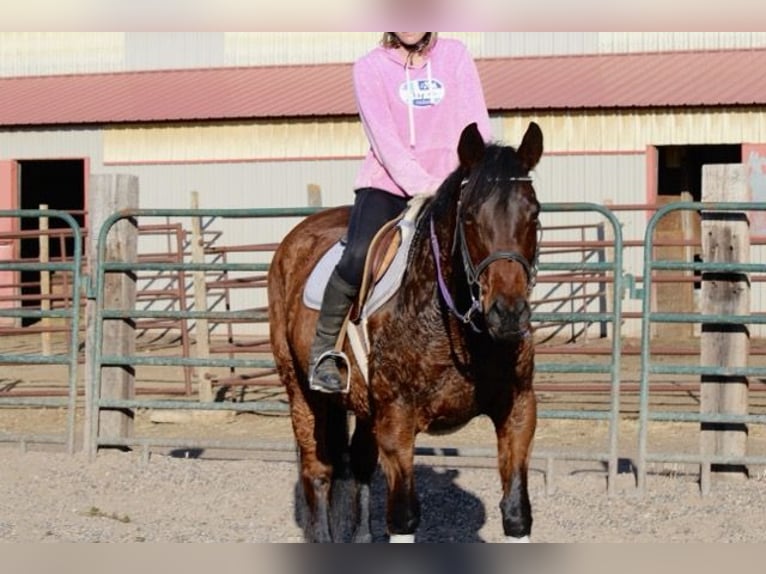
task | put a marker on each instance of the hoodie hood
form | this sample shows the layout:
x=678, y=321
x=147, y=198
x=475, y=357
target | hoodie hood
x=413, y=115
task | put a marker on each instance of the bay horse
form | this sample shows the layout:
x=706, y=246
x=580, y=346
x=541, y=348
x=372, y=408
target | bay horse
x=453, y=343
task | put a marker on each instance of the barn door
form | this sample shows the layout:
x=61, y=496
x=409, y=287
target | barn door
x=9, y=248
x=754, y=158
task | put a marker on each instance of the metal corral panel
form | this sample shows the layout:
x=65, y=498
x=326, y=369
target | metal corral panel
x=600, y=132
x=241, y=186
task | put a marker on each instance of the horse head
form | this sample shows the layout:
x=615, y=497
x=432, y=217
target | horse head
x=497, y=229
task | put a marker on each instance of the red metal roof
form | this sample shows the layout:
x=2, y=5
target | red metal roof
x=673, y=79
x=646, y=80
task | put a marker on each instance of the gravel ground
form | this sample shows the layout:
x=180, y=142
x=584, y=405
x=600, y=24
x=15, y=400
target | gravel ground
x=123, y=497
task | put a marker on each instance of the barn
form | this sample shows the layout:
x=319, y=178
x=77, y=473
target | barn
x=260, y=119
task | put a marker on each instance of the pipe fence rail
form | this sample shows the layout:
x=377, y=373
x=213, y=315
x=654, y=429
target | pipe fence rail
x=39, y=309
x=720, y=271
x=581, y=289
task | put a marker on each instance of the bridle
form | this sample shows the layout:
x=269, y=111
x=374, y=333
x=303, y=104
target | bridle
x=474, y=272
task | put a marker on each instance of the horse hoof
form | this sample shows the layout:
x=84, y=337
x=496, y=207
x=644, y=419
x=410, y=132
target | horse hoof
x=362, y=538
x=401, y=538
x=522, y=540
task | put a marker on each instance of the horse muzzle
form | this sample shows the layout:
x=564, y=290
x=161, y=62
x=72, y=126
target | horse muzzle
x=508, y=320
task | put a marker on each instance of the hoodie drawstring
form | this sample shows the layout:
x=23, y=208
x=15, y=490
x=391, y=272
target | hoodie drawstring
x=411, y=99
x=410, y=105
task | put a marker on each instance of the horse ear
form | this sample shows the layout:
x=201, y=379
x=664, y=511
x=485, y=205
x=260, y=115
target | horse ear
x=531, y=147
x=471, y=147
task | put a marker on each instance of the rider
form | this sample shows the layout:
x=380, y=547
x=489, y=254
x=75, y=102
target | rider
x=415, y=93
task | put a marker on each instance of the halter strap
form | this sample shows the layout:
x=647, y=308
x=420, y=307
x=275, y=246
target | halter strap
x=473, y=273
x=466, y=317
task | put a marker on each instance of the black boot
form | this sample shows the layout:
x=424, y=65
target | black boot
x=324, y=374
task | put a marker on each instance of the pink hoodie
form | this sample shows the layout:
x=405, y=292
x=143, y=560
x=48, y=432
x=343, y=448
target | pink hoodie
x=413, y=131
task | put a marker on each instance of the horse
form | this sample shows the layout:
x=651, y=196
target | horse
x=453, y=343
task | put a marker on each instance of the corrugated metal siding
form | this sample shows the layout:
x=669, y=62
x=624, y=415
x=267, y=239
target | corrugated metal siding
x=42, y=53
x=279, y=48
x=275, y=48
x=235, y=141
x=504, y=44
x=620, y=42
x=52, y=144
x=158, y=51
x=628, y=132
x=633, y=131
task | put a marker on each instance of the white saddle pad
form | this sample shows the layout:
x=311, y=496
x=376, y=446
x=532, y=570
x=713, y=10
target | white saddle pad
x=382, y=291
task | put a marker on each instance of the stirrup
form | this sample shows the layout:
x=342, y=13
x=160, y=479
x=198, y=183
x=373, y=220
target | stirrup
x=335, y=356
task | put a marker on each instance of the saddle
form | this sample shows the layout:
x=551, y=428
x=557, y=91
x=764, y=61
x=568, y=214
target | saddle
x=383, y=271
x=380, y=255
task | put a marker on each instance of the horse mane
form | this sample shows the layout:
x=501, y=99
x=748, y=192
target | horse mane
x=498, y=161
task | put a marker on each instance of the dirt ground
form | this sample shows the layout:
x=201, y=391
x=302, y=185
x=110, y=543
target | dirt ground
x=188, y=495
x=226, y=494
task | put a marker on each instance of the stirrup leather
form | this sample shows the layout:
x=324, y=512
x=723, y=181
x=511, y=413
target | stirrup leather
x=334, y=355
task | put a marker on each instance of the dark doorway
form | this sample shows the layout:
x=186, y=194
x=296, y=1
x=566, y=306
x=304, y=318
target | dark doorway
x=59, y=184
x=679, y=178
x=680, y=167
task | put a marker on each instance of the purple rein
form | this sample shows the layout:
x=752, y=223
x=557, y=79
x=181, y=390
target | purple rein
x=466, y=317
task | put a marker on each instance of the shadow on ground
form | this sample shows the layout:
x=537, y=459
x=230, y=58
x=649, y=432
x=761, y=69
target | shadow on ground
x=448, y=512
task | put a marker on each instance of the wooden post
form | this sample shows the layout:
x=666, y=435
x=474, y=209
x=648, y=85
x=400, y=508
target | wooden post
x=725, y=238
x=107, y=195
x=45, y=283
x=314, y=195
x=202, y=339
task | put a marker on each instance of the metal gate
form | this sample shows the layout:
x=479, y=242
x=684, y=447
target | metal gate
x=70, y=314
x=677, y=368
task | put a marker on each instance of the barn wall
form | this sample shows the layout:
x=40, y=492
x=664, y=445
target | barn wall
x=40, y=53
x=590, y=156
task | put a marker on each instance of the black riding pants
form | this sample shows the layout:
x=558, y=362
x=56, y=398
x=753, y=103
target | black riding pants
x=371, y=210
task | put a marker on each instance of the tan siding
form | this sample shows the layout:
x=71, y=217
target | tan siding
x=44, y=53
x=614, y=42
x=235, y=142
x=279, y=48
x=627, y=132
x=35, y=53
x=633, y=131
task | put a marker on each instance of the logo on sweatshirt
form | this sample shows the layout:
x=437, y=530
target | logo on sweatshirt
x=422, y=93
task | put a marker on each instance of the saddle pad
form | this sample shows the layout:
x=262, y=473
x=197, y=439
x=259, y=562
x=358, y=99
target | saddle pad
x=383, y=290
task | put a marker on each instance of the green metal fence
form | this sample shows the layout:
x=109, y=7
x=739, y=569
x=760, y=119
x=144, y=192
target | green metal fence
x=607, y=454
x=612, y=316
x=651, y=367
x=70, y=314
x=102, y=314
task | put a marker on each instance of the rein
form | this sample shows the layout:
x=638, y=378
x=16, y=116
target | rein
x=473, y=273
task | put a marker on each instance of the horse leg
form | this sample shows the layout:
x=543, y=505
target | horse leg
x=364, y=459
x=316, y=475
x=514, y=438
x=395, y=433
